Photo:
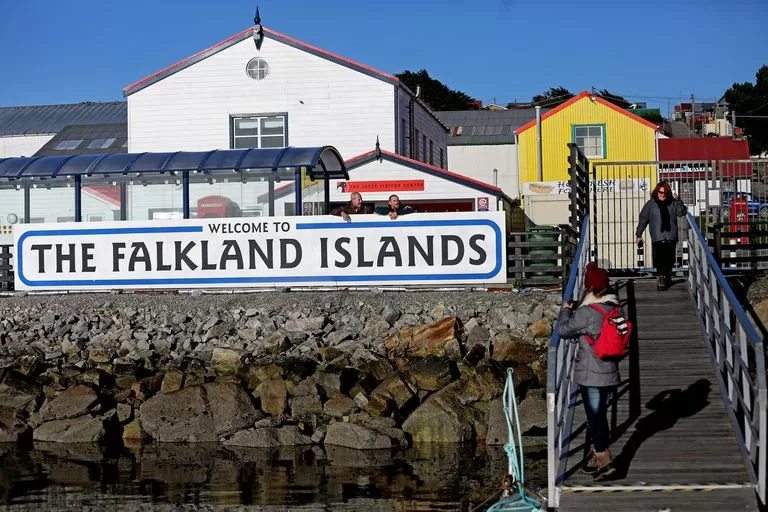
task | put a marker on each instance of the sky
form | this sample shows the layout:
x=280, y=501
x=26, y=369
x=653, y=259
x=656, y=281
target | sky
x=654, y=51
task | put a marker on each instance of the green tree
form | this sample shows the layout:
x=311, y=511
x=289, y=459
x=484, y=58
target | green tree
x=652, y=117
x=434, y=92
x=552, y=97
x=752, y=99
x=617, y=100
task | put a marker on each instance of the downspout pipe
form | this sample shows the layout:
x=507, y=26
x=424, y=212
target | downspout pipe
x=539, y=164
x=412, y=119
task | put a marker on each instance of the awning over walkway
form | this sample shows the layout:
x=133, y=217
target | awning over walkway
x=181, y=169
x=319, y=162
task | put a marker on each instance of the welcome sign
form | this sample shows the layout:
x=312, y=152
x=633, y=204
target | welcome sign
x=430, y=248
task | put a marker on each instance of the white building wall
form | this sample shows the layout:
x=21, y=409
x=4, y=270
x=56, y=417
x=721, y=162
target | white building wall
x=427, y=125
x=435, y=188
x=326, y=103
x=478, y=162
x=22, y=145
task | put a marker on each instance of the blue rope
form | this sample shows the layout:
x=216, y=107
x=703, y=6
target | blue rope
x=519, y=500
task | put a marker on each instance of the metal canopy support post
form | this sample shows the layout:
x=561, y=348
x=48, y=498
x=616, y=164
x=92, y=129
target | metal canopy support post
x=27, y=206
x=123, y=201
x=327, y=192
x=185, y=194
x=271, y=196
x=78, y=199
x=298, y=210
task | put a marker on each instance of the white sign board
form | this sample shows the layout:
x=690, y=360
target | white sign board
x=428, y=248
x=599, y=186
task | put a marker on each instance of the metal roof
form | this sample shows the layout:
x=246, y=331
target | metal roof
x=321, y=162
x=46, y=119
x=87, y=139
x=468, y=127
x=705, y=148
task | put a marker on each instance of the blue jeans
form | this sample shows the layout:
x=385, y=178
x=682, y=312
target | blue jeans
x=596, y=401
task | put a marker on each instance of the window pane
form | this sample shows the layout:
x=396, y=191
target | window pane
x=595, y=131
x=580, y=131
x=272, y=126
x=246, y=126
x=272, y=142
x=580, y=142
x=69, y=144
x=246, y=142
x=100, y=143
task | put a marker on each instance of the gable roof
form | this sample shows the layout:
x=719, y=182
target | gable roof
x=705, y=148
x=469, y=127
x=47, y=119
x=579, y=97
x=88, y=139
x=247, y=34
x=370, y=156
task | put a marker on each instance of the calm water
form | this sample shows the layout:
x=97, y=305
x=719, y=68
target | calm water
x=194, y=477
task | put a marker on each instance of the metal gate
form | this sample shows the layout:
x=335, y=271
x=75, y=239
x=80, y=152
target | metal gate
x=620, y=189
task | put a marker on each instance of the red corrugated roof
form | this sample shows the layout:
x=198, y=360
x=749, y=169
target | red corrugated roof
x=706, y=148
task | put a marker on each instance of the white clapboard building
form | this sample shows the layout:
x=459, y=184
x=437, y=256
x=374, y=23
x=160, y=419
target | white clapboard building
x=271, y=90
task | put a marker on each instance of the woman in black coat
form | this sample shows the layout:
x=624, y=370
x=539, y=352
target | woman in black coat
x=660, y=215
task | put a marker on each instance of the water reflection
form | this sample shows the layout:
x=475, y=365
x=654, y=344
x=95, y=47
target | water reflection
x=425, y=477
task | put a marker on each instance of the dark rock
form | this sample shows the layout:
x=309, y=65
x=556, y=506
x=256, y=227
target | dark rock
x=70, y=403
x=85, y=429
x=355, y=436
x=180, y=417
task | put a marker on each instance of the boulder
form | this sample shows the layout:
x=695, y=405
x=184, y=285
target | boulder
x=85, y=429
x=442, y=418
x=303, y=406
x=180, y=417
x=290, y=435
x=70, y=403
x=230, y=406
x=255, y=438
x=18, y=392
x=392, y=394
x=430, y=373
x=274, y=395
x=12, y=425
x=339, y=405
x=226, y=361
x=425, y=340
x=355, y=436
x=541, y=328
x=509, y=347
x=173, y=380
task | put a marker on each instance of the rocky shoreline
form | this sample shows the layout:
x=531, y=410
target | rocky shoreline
x=361, y=370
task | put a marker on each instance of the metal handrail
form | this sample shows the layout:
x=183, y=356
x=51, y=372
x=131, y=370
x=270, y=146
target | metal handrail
x=737, y=352
x=560, y=360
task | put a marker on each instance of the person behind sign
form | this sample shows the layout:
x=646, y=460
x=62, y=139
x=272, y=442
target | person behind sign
x=355, y=206
x=394, y=208
x=660, y=215
x=597, y=378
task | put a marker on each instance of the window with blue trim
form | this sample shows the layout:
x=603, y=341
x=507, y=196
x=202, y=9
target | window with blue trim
x=590, y=139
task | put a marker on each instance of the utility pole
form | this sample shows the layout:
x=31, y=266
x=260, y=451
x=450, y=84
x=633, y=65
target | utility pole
x=693, y=114
x=733, y=123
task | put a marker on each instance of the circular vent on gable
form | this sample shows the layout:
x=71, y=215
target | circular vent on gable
x=257, y=68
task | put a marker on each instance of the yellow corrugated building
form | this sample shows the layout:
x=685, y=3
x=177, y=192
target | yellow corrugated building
x=603, y=131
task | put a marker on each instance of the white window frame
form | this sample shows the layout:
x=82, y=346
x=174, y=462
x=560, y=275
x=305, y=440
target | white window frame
x=592, y=145
x=259, y=136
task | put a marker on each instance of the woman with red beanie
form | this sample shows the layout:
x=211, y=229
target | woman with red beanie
x=597, y=378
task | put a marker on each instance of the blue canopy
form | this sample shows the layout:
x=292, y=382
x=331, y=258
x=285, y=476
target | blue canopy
x=323, y=162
